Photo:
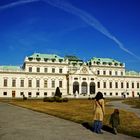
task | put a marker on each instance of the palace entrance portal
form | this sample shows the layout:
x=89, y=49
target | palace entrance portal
x=84, y=88
x=92, y=88
x=75, y=87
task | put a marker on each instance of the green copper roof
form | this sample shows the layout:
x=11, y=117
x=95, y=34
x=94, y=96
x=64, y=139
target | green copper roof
x=47, y=56
x=72, y=58
x=14, y=68
x=132, y=73
x=104, y=60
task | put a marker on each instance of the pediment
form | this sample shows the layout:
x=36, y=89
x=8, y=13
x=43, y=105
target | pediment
x=84, y=70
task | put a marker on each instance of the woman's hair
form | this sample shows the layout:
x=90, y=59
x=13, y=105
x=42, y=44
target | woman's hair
x=99, y=96
x=116, y=111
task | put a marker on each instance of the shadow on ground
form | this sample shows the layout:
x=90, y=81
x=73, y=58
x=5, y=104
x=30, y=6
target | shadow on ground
x=88, y=125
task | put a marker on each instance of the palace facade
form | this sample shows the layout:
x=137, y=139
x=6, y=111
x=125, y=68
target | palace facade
x=42, y=73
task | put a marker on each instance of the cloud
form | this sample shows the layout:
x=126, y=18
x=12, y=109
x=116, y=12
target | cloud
x=17, y=3
x=90, y=20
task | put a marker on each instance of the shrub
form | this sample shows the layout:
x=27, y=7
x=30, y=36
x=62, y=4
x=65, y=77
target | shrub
x=58, y=99
x=45, y=99
x=24, y=98
x=48, y=99
x=65, y=99
x=58, y=93
x=51, y=99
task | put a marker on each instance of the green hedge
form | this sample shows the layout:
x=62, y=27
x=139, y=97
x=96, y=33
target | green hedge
x=55, y=99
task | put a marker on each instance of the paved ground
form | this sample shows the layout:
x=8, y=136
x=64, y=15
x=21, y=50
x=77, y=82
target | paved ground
x=120, y=105
x=18, y=123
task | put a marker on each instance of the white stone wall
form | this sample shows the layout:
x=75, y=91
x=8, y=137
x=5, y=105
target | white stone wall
x=33, y=89
x=26, y=75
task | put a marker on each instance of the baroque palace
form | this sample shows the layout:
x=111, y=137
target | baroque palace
x=42, y=73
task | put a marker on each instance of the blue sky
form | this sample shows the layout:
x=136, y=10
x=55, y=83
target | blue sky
x=85, y=28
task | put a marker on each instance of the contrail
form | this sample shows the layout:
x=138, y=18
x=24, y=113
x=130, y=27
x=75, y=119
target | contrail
x=86, y=17
x=17, y=3
x=90, y=20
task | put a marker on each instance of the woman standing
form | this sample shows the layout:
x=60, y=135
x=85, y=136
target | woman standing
x=99, y=111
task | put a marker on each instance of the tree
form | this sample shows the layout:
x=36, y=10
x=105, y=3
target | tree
x=58, y=93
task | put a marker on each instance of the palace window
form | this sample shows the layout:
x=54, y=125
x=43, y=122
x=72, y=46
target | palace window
x=37, y=93
x=37, y=69
x=21, y=83
x=5, y=82
x=104, y=72
x=53, y=84
x=110, y=72
x=5, y=93
x=53, y=70
x=75, y=78
x=13, y=83
x=127, y=85
x=116, y=93
x=60, y=70
x=110, y=93
x=45, y=70
x=121, y=73
x=132, y=85
x=116, y=73
x=30, y=69
x=138, y=86
x=110, y=84
x=45, y=93
x=29, y=94
x=45, y=83
x=121, y=84
x=37, y=83
x=60, y=84
x=104, y=84
x=21, y=93
x=116, y=84
x=98, y=84
x=98, y=72
x=29, y=83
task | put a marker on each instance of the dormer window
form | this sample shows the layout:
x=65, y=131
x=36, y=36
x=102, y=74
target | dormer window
x=45, y=59
x=53, y=60
x=38, y=59
x=110, y=63
x=30, y=58
x=104, y=63
x=60, y=60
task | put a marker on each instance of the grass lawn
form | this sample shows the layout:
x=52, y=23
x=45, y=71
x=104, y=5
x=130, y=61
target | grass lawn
x=81, y=111
x=134, y=102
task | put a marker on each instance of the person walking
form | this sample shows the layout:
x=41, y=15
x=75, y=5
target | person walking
x=115, y=120
x=98, y=112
